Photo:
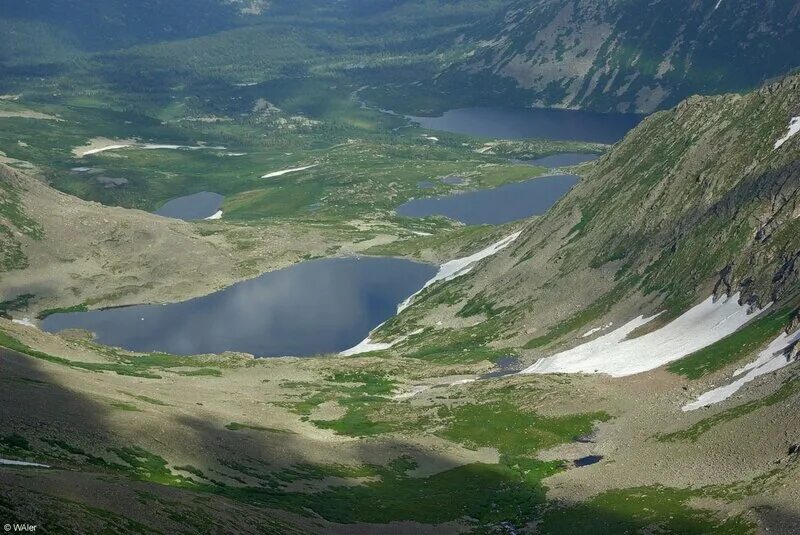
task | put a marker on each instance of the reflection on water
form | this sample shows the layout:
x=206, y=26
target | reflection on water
x=496, y=205
x=322, y=306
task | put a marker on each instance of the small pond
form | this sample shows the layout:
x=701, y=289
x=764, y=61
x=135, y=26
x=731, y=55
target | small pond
x=190, y=207
x=586, y=461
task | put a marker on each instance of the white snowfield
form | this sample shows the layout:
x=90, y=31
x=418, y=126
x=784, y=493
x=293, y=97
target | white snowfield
x=612, y=354
x=794, y=127
x=287, y=171
x=215, y=215
x=24, y=321
x=773, y=358
x=104, y=149
x=10, y=462
x=461, y=266
x=447, y=271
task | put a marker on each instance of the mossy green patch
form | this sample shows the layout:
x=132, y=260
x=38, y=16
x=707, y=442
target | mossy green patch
x=641, y=510
x=515, y=432
x=50, y=311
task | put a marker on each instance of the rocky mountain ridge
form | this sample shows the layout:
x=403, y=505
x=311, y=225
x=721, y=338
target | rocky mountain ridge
x=696, y=200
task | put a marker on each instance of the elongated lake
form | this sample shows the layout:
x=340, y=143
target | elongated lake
x=496, y=205
x=320, y=306
x=521, y=123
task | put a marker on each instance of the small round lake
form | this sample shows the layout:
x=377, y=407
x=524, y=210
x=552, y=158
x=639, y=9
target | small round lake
x=320, y=306
x=190, y=207
x=522, y=123
x=496, y=205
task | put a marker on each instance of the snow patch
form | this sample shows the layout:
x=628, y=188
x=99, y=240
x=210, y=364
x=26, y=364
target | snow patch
x=367, y=345
x=104, y=149
x=143, y=146
x=461, y=266
x=287, y=171
x=155, y=146
x=615, y=355
x=24, y=321
x=794, y=127
x=418, y=389
x=10, y=462
x=447, y=271
x=216, y=215
x=773, y=358
x=462, y=382
x=717, y=5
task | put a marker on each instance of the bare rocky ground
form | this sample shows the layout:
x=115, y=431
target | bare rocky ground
x=184, y=422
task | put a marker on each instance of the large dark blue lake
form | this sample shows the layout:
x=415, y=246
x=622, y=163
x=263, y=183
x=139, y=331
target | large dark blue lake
x=496, y=205
x=522, y=123
x=320, y=306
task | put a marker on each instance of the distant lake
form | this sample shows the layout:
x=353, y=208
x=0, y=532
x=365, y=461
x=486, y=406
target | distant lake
x=563, y=160
x=320, y=306
x=522, y=123
x=190, y=207
x=496, y=205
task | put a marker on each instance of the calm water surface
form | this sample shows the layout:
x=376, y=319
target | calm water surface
x=521, y=123
x=196, y=206
x=496, y=205
x=321, y=306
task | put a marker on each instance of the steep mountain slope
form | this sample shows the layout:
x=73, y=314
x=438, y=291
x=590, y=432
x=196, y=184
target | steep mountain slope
x=697, y=199
x=629, y=56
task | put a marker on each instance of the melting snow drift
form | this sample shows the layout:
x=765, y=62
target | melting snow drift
x=215, y=215
x=794, y=127
x=24, y=321
x=461, y=266
x=98, y=146
x=614, y=355
x=9, y=462
x=773, y=358
x=287, y=171
x=447, y=271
